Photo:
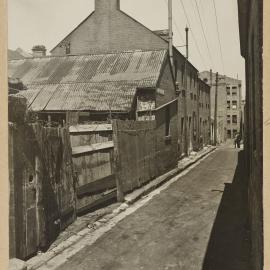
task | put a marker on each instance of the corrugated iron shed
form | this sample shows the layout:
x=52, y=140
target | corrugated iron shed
x=87, y=82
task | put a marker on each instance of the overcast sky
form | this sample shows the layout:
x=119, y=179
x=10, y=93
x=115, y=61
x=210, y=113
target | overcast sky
x=48, y=21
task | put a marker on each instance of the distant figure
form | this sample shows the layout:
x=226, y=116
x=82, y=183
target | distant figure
x=237, y=141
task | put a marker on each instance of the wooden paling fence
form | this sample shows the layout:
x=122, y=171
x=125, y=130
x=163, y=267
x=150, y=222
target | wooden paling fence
x=92, y=154
x=57, y=173
x=135, y=154
x=42, y=198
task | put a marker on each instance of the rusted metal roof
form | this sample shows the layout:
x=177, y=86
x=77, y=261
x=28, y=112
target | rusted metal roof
x=87, y=82
x=80, y=97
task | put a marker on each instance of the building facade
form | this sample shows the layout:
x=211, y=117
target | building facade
x=229, y=106
x=251, y=40
x=234, y=107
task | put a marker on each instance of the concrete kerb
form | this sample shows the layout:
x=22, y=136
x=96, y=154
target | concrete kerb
x=42, y=259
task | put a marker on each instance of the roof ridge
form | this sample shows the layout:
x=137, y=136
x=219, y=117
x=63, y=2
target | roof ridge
x=93, y=54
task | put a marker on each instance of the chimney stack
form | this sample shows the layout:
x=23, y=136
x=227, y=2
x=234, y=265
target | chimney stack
x=106, y=6
x=39, y=51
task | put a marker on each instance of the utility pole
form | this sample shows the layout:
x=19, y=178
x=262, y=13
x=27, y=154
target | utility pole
x=215, y=120
x=187, y=29
x=185, y=95
x=170, y=15
x=211, y=85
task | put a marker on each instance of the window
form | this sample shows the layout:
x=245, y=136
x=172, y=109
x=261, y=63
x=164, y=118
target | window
x=234, y=119
x=228, y=89
x=229, y=134
x=167, y=121
x=191, y=96
x=194, y=126
x=234, y=90
x=195, y=97
x=228, y=104
x=228, y=119
x=234, y=104
x=182, y=125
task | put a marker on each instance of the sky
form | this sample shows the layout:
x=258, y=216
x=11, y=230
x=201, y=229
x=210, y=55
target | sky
x=47, y=22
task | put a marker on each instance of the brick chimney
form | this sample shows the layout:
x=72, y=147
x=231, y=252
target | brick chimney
x=39, y=51
x=107, y=6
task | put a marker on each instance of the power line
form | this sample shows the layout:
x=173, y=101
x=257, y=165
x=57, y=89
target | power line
x=178, y=30
x=197, y=47
x=210, y=57
x=219, y=37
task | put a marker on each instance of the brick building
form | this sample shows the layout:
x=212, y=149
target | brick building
x=108, y=29
x=204, y=124
x=229, y=106
x=251, y=40
x=234, y=107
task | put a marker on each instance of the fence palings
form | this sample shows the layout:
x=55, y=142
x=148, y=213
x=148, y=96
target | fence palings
x=135, y=151
x=42, y=181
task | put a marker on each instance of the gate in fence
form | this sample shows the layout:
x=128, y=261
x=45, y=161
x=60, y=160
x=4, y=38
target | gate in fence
x=92, y=155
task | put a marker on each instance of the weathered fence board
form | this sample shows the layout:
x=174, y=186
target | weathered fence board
x=42, y=181
x=134, y=153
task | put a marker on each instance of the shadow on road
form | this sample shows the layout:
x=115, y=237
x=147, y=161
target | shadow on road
x=228, y=247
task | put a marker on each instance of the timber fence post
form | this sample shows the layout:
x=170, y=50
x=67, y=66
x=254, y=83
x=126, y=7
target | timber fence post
x=117, y=163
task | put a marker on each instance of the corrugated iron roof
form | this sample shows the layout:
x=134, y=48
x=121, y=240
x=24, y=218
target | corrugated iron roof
x=128, y=66
x=80, y=97
x=87, y=82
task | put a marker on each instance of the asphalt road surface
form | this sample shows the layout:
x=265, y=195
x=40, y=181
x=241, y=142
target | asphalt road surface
x=198, y=222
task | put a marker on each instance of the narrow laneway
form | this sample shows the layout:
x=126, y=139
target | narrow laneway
x=199, y=222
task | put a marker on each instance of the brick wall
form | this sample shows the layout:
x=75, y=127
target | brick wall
x=204, y=113
x=191, y=91
x=109, y=31
x=167, y=152
x=166, y=85
x=250, y=21
x=255, y=147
